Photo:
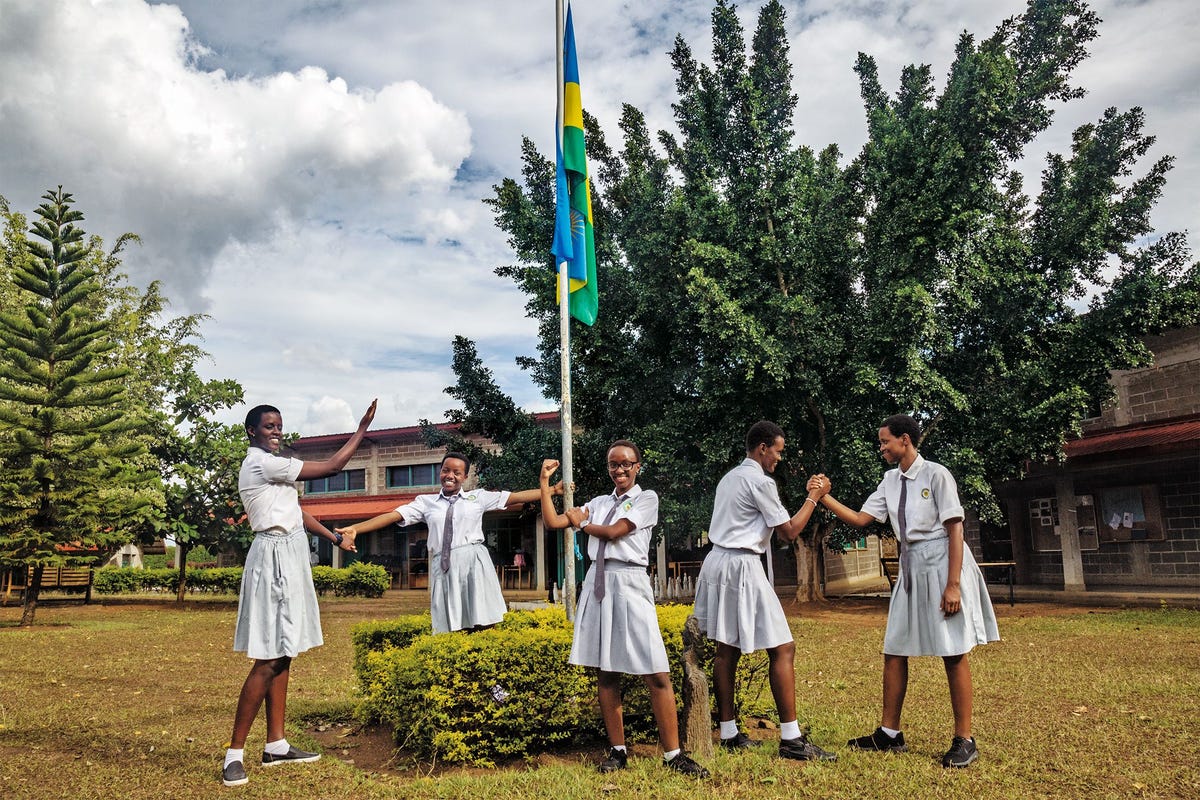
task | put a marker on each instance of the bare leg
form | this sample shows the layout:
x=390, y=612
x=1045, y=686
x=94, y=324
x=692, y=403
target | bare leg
x=609, y=685
x=662, y=702
x=277, y=702
x=724, y=667
x=257, y=688
x=783, y=680
x=895, y=686
x=958, y=674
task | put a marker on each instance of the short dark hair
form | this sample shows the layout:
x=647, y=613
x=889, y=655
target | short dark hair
x=637, y=451
x=255, y=415
x=762, y=432
x=460, y=457
x=900, y=424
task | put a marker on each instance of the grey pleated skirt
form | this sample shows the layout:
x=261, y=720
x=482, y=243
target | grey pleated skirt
x=916, y=625
x=468, y=595
x=736, y=604
x=620, y=633
x=278, y=613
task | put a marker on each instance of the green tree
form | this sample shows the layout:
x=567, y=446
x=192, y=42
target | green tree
x=69, y=474
x=744, y=276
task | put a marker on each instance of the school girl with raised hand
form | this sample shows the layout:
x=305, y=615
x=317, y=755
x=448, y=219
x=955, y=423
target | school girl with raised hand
x=464, y=590
x=616, y=626
x=940, y=604
x=278, y=616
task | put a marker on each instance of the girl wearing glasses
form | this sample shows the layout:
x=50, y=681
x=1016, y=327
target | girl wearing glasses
x=616, y=627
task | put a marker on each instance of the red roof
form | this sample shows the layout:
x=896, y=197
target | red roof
x=354, y=508
x=1162, y=436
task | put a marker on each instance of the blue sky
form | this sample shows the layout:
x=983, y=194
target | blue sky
x=310, y=174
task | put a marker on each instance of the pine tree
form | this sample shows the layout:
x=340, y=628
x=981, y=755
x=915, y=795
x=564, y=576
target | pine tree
x=63, y=420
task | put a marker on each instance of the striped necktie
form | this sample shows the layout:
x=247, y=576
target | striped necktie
x=448, y=531
x=902, y=524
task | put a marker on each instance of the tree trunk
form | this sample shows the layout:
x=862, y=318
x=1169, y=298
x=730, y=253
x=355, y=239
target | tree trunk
x=696, y=729
x=810, y=567
x=32, y=589
x=181, y=588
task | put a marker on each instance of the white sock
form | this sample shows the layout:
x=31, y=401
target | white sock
x=619, y=747
x=232, y=755
x=729, y=729
x=789, y=730
x=889, y=732
x=278, y=747
x=670, y=754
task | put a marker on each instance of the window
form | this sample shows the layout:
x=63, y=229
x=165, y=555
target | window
x=350, y=480
x=1045, y=528
x=1129, y=514
x=412, y=475
x=858, y=544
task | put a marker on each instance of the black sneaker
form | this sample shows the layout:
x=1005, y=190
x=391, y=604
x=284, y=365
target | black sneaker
x=685, y=766
x=616, y=760
x=880, y=741
x=234, y=774
x=802, y=749
x=292, y=756
x=961, y=753
x=739, y=742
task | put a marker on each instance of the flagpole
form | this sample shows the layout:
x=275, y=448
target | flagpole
x=564, y=334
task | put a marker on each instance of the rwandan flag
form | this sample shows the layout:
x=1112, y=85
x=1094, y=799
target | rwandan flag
x=573, y=237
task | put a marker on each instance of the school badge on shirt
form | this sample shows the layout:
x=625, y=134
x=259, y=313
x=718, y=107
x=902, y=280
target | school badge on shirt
x=925, y=493
x=628, y=505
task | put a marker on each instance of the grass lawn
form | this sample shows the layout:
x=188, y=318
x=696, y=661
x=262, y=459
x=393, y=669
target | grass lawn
x=135, y=699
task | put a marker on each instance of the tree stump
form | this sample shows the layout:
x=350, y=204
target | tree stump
x=696, y=726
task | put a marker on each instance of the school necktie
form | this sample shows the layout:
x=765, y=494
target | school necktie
x=903, y=525
x=598, y=589
x=448, y=531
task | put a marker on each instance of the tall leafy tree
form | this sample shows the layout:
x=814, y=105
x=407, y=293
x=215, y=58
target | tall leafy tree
x=69, y=477
x=745, y=276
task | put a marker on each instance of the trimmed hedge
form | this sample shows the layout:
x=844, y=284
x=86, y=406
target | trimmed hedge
x=363, y=580
x=436, y=692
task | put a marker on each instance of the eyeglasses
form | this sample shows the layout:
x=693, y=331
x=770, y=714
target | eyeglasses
x=613, y=466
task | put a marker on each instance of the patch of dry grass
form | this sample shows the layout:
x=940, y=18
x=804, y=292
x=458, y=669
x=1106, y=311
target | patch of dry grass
x=135, y=699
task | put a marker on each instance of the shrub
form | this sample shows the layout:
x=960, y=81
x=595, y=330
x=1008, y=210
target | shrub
x=475, y=698
x=327, y=579
x=435, y=691
x=115, y=580
x=380, y=635
x=364, y=580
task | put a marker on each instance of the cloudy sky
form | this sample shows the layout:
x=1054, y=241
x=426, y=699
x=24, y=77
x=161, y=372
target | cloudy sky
x=309, y=173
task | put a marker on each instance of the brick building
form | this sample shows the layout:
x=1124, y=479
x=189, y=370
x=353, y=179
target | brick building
x=1129, y=486
x=393, y=466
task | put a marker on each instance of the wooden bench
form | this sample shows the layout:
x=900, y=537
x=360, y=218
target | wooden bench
x=12, y=580
x=69, y=579
x=891, y=570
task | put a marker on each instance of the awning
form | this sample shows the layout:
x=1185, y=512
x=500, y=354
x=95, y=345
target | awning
x=1164, y=437
x=354, y=509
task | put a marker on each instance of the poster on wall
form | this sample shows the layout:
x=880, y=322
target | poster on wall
x=1122, y=514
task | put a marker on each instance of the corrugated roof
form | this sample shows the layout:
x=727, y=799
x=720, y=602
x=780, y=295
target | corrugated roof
x=1172, y=435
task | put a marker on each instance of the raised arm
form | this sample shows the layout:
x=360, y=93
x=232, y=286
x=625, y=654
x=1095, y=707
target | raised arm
x=857, y=519
x=550, y=516
x=335, y=463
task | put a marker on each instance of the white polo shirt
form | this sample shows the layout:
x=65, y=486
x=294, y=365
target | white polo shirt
x=267, y=484
x=746, y=509
x=932, y=500
x=468, y=515
x=640, y=508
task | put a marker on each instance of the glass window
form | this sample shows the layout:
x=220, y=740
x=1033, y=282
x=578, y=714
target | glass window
x=408, y=475
x=346, y=481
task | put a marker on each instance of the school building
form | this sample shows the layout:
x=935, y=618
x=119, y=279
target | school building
x=1123, y=508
